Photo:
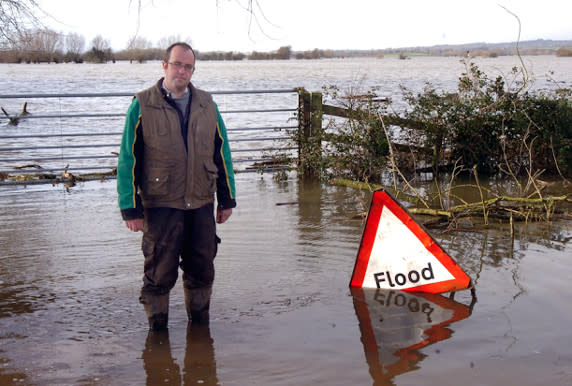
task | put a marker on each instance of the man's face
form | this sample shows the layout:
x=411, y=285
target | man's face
x=179, y=69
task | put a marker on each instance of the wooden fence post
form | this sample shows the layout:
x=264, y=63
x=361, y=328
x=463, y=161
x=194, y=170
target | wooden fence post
x=304, y=126
x=317, y=115
x=310, y=132
x=304, y=114
x=316, y=133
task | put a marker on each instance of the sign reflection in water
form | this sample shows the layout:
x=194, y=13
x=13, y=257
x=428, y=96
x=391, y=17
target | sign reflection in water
x=396, y=325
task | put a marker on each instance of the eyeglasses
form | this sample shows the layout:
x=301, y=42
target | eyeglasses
x=180, y=66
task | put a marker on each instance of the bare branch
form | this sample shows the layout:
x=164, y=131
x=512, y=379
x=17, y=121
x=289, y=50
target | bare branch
x=250, y=8
x=17, y=16
x=137, y=26
x=517, y=42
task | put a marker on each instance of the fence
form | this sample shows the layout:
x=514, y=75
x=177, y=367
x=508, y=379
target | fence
x=312, y=111
x=57, y=136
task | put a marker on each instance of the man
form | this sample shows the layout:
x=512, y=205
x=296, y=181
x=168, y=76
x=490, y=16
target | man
x=174, y=156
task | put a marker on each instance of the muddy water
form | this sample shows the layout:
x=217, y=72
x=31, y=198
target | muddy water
x=282, y=312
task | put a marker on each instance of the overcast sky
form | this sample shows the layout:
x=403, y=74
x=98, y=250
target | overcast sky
x=225, y=25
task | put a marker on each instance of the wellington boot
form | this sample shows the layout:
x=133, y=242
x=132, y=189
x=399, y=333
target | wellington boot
x=157, y=310
x=197, y=303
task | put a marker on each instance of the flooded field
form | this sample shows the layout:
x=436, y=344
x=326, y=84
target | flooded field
x=282, y=311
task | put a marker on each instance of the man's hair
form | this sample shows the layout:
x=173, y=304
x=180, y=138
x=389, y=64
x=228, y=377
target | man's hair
x=181, y=44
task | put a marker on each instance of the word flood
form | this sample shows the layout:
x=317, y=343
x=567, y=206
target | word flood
x=401, y=279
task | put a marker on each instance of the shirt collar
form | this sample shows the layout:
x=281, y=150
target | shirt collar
x=170, y=95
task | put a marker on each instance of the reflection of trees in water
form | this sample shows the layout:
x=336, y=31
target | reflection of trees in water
x=494, y=247
x=550, y=235
x=323, y=208
x=474, y=251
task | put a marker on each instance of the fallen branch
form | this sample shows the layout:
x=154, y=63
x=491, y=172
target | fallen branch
x=526, y=209
x=371, y=187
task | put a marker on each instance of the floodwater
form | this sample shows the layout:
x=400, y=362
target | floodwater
x=282, y=311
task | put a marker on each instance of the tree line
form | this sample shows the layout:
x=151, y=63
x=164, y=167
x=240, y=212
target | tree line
x=43, y=45
x=48, y=46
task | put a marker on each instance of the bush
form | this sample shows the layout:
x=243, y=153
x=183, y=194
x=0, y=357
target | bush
x=357, y=148
x=485, y=125
x=493, y=127
x=564, y=51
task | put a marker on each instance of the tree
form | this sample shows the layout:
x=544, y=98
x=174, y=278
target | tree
x=284, y=52
x=75, y=44
x=16, y=16
x=139, y=49
x=139, y=43
x=252, y=7
x=49, y=42
x=100, y=44
x=40, y=45
x=100, y=50
x=165, y=42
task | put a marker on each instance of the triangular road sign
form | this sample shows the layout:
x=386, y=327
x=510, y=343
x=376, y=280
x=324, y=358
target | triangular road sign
x=396, y=253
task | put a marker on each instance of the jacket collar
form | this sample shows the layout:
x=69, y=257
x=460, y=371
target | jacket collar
x=198, y=100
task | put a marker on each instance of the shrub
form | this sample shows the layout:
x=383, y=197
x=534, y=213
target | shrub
x=564, y=51
x=489, y=125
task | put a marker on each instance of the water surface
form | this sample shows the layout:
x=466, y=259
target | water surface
x=282, y=312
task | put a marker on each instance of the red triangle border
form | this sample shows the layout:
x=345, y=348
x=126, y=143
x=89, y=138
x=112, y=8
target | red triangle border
x=382, y=200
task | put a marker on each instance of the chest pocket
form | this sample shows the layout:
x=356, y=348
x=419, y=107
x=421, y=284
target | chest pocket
x=161, y=129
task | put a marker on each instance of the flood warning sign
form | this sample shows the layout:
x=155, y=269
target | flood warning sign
x=396, y=253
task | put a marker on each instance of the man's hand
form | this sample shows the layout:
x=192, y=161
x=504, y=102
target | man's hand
x=135, y=225
x=222, y=215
